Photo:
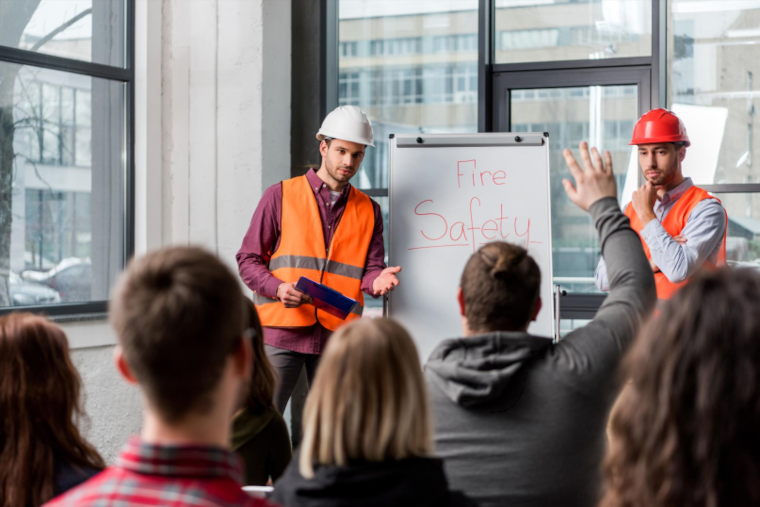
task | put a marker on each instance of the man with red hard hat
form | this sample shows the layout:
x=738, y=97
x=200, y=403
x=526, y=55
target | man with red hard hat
x=682, y=227
x=320, y=227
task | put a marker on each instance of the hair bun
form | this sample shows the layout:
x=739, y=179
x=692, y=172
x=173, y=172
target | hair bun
x=507, y=260
x=163, y=280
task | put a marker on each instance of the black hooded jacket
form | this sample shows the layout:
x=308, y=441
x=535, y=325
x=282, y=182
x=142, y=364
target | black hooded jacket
x=521, y=421
x=412, y=482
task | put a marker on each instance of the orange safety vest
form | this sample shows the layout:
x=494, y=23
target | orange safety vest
x=302, y=252
x=673, y=223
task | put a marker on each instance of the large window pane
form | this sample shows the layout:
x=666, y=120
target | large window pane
x=567, y=326
x=89, y=30
x=743, y=239
x=61, y=186
x=602, y=115
x=539, y=31
x=411, y=66
x=714, y=85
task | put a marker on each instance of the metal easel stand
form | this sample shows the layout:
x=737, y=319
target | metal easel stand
x=558, y=293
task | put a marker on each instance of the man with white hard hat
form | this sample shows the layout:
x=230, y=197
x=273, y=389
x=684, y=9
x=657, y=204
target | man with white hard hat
x=320, y=227
x=682, y=227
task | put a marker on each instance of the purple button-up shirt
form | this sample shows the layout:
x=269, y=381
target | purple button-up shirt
x=263, y=239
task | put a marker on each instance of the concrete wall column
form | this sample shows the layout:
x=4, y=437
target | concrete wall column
x=212, y=132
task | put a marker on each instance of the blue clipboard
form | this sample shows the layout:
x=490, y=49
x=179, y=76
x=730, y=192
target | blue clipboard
x=326, y=299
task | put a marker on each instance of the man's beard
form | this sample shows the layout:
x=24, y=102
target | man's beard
x=333, y=171
x=662, y=179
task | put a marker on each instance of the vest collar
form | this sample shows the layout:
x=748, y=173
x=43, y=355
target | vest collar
x=315, y=182
x=673, y=195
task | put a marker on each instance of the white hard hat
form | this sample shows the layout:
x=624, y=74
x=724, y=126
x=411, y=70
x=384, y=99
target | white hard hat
x=348, y=123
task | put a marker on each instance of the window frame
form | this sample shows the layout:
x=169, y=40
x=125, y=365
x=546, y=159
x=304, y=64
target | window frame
x=573, y=305
x=566, y=73
x=639, y=75
x=491, y=76
x=93, y=310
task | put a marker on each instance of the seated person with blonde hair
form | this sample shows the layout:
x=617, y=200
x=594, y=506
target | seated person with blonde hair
x=520, y=421
x=367, y=434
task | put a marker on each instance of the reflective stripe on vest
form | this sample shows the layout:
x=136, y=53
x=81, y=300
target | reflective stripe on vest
x=673, y=223
x=303, y=262
x=302, y=252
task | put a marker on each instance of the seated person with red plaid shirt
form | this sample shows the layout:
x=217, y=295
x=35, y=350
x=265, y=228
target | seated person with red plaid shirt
x=183, y=337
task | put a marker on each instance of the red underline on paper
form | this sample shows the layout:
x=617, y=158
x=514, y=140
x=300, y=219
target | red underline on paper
x=539, y=242
x=437, y=246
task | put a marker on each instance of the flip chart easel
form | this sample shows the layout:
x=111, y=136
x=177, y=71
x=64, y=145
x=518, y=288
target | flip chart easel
x=448, y=195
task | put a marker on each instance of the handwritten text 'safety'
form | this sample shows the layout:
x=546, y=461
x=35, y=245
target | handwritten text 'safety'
x=437, y=233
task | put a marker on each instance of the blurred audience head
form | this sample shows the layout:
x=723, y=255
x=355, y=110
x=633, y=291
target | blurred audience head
x=41, y=406
x=368, y=401
x=499, y=289
x=181, y=324
x=686, y=431
x=260, y=394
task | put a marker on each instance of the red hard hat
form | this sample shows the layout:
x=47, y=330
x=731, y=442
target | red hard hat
x=659, y=126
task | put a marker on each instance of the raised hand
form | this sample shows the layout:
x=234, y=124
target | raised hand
x=595, y=181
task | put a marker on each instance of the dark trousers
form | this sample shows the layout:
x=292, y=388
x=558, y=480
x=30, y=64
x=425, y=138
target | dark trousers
x=288, y=365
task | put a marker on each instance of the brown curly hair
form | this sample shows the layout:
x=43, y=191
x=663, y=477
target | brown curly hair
x=40, y=406
x=264, y=377
x=686, y=433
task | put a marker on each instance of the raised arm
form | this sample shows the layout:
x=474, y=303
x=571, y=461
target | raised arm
x=600, y=345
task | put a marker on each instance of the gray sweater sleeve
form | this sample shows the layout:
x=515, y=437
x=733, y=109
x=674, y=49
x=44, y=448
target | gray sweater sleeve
x=596, y=349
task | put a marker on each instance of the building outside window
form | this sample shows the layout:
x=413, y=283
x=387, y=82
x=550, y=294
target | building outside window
x=713, y=62
x=528, y=39
x=64, y=163
x=592, y=68
x=418, y=73
x=564, y=30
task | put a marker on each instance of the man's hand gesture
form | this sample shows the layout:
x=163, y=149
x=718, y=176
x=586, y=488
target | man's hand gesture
x=386, y=281
x=643, y=201
x=291, y=297
x=592, y=183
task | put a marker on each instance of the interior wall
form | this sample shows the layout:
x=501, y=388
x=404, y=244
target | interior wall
x=212, y=123
x=226, y=116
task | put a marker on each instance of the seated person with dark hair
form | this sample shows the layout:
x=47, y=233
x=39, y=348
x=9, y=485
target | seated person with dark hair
x=259, y=433
x=520, y=421
x=181, y=326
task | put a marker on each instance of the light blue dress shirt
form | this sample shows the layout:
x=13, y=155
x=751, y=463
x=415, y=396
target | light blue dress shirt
x=703, y=232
